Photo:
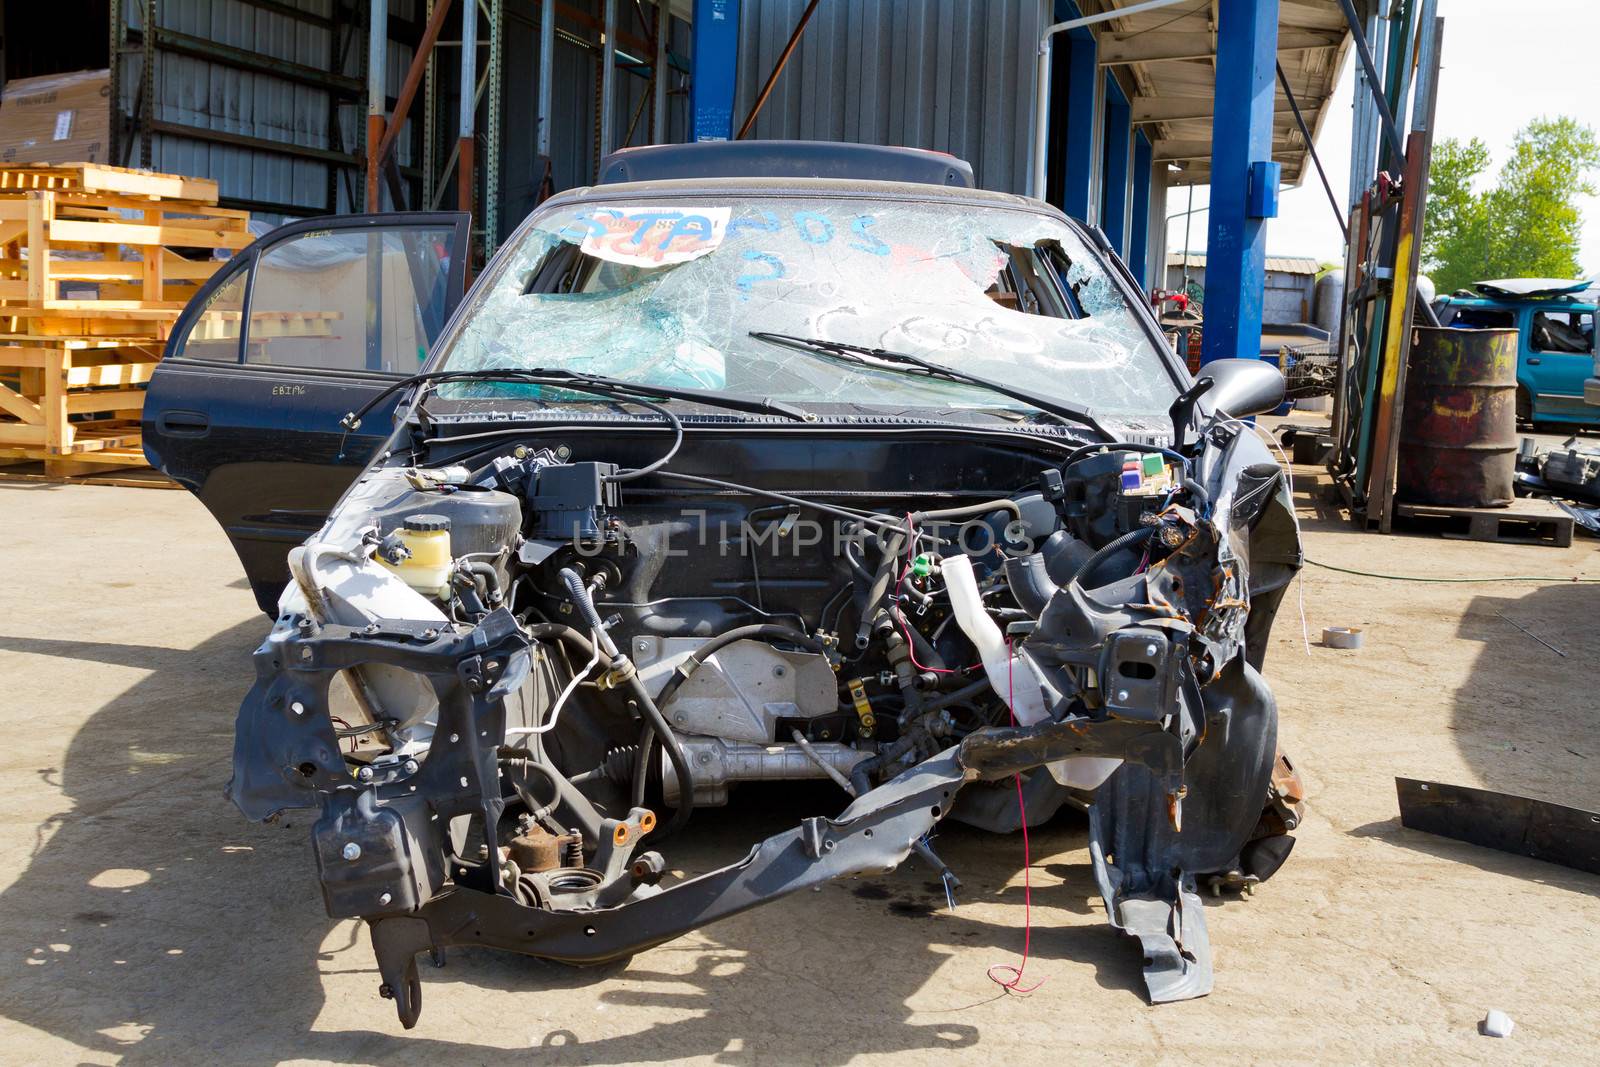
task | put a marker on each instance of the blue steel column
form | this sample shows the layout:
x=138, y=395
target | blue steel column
x=1081, y=73
x=1114, y=183
x=715, y=45
x=1139, y=238
x=1241, y=134
x=1069, y=175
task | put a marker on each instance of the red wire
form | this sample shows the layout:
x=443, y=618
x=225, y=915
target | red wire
x=911, y=542
x=1015, y=984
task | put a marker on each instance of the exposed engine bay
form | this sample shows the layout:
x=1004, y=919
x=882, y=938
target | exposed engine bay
x=491, y=674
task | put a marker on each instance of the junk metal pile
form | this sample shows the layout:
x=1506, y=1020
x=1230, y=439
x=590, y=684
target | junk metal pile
x=1568, y=475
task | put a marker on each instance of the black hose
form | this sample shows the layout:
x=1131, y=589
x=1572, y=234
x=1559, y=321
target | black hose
x=965, y=693
x=536, y=810
x=1028, y=578
x=560, y=631
x=490, y=576
x=893, y=542
x=967, y=511
x=1127, y=540
x=861, y=775
x=577, y=807
x=761, y=631
x=641, y=766
x=926, y=653
x=851, y=550
x=772, y=494
x=655, y=465
x=579, y=594
x=858, y=567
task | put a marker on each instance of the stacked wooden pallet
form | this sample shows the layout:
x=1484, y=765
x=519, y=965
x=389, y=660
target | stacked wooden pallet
x=96, y=263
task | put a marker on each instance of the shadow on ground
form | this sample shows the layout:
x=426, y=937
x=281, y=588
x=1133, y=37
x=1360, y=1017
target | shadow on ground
x=1484, y=859
x=1524, y=719
x=154, y=924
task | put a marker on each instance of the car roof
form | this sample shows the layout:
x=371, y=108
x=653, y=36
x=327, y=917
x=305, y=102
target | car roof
x=1573, y=301
x=820, y=188
x=1531, y=287
x=785, y=159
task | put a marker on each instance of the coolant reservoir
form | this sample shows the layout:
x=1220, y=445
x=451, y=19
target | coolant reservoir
x=427, y=568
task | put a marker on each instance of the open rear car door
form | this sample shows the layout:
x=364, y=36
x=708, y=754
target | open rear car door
x=306, y=324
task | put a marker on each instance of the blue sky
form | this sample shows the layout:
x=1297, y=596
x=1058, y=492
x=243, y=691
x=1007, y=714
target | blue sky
x=1498, y=73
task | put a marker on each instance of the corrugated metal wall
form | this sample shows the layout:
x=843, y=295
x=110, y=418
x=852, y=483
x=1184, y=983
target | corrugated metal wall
x=576, y=93
x=952, y=75
x=209, y=94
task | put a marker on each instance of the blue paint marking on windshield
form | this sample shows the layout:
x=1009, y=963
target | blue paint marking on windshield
x=813, y=227
x=767, y=222
x=608, y=221
x=859, y=228
x=745, y=281
x=696, y=227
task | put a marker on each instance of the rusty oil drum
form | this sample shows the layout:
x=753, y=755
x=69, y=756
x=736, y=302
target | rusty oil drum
x=1458, y=429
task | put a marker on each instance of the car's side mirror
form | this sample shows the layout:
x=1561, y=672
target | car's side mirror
x=1243, y=387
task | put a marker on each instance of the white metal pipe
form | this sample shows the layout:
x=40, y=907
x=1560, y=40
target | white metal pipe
x=608, y=79
x=658, y=116
x=547, y=63
x=1041, y=104
x=469, y=68
x=1041, y=120
x=377, y=53
x=561, y=700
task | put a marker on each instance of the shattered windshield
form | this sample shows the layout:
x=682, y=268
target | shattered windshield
x=668, y=292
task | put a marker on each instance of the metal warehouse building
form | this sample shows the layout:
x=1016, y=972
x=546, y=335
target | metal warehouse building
x=1290, y=284
x=304, y=107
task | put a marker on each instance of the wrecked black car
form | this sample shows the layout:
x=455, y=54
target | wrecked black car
x=727, y=480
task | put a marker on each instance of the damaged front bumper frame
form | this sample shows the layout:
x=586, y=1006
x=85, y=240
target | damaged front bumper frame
x=392, y=847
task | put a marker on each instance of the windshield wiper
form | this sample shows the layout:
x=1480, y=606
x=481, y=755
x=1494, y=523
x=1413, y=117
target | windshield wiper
x=598, y=384
x=852, y=353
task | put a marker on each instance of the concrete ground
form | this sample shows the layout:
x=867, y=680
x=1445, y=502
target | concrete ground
x=142, y=920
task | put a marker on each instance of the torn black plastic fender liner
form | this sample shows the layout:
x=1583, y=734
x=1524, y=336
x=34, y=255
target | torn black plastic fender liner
x=1146, y=865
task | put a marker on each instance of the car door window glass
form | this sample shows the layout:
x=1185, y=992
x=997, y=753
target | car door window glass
x=1562, y=331
x=215, y=333
x=371, y=300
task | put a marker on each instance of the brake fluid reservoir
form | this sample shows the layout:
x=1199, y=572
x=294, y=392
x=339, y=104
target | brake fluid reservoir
x=427, y=567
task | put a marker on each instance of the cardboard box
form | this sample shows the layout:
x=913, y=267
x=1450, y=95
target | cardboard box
x=57, y=118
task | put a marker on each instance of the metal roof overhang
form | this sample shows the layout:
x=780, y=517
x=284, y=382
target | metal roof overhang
x=1165, y=60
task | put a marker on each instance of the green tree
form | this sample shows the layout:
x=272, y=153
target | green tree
x=1527, y=224
x=1455, y=234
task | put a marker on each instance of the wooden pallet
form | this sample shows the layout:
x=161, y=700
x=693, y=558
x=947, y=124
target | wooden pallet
x=65, y=257
x=68, y=473
x=96, y=265
x=99, y=178
x=74, y=401
x=1528, y=521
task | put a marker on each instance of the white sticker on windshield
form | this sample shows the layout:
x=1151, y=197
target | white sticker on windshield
x=648, y=236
